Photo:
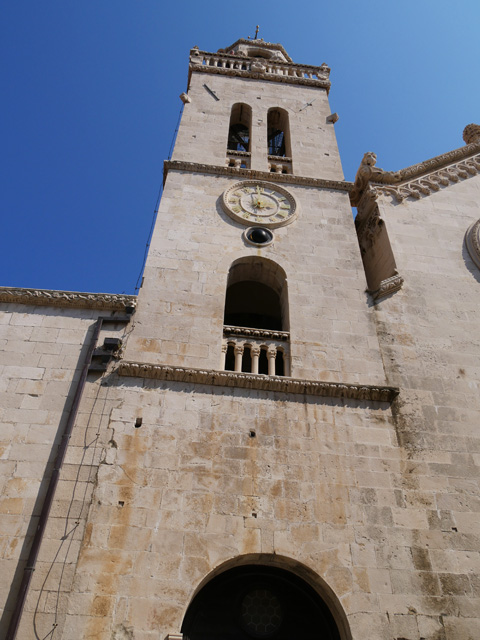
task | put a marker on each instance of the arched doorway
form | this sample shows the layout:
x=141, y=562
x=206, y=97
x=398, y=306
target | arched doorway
x=257, y=601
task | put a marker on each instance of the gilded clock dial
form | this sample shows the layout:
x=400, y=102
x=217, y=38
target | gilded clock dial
x=259, y=203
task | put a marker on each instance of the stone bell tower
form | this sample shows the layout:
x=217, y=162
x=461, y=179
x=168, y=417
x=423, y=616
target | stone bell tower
x=253, y=364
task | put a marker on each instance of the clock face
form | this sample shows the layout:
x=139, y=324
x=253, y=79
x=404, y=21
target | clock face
x=257, y=203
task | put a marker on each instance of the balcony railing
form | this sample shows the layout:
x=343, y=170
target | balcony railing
x=279, y=164
x=238, y=159
x=315, y=75
x=256, y=351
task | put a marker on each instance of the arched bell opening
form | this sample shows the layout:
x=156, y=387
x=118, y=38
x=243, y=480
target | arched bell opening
x=240, y=127
x=278, y=133
x=262, y=601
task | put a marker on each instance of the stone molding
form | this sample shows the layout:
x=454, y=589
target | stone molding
x=419, y=180
x=216, y=378
x=387, y=286
x=284, y=178
x=76, y=299
x=472, y=242
x=245, y=332
x=259, y=69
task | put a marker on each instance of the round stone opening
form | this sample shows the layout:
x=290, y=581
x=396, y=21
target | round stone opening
x=259, y=235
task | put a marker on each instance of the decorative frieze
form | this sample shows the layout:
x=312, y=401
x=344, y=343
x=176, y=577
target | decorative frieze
x=260, y=382
x=53, y=298
x=246, y=332
x=272, y=69
x=420, y=179
x=388, y=286
x=195, y=167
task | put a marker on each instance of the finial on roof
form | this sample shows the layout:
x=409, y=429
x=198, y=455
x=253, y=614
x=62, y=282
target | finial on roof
x=471, y=133
x=256, y=33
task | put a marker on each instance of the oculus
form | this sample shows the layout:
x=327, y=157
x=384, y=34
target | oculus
x=259, y=203
x=259, y=236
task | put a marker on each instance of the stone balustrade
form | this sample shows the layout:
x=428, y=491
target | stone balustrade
x=242, y=350
x=279, y=164
x=238, y=159
x=233, y=63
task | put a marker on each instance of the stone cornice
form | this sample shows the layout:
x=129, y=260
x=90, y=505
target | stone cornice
x=283, y=178
x=420, y=179
x=256, y=381
x=246, y=332
x=258, y=75
x=259, y=69
x=53, y=298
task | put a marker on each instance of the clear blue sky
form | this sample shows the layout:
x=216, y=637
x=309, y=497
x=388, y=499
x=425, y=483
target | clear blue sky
x=90, y=102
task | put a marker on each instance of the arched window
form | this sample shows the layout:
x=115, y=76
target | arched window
x=256, y=338
x=240, y=127
x=278, y=133
x=257, y=295
x=258, y=601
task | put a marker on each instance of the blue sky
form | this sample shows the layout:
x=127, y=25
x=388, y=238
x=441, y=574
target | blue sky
x=90, y=103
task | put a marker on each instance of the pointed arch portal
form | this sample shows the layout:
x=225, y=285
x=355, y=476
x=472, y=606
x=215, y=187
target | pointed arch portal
x=258, y=601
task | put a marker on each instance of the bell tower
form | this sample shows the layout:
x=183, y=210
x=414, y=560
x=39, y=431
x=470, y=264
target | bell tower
x=254, y=231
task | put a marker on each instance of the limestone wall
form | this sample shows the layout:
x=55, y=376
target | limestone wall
x=214, y=476
x=42, y=351
x=429, y=335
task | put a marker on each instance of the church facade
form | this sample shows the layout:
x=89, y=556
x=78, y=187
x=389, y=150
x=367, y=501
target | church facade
x=279, y=437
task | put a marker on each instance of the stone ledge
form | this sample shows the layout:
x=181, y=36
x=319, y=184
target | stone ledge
x=260, y=382
x=261, y=75
x=76, y=299
x=246, y=332
x=285, y=178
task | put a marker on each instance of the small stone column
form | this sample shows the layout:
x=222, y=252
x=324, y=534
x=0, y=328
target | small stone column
x=224, y=356
x=238, y=350
x=255, y=351
x=271, y=354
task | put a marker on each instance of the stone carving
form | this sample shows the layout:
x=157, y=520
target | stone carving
x=287, y=178
x=471, y=133
x=275, y=46
x=255, y=333
x=368, y=172
x=472, y=242
x=236, y=65
x=257, y=66
x=423, y=178
x=368, y=228
x=76, y=299
x=387, y=286
x=260, y=382
x=435, y=181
